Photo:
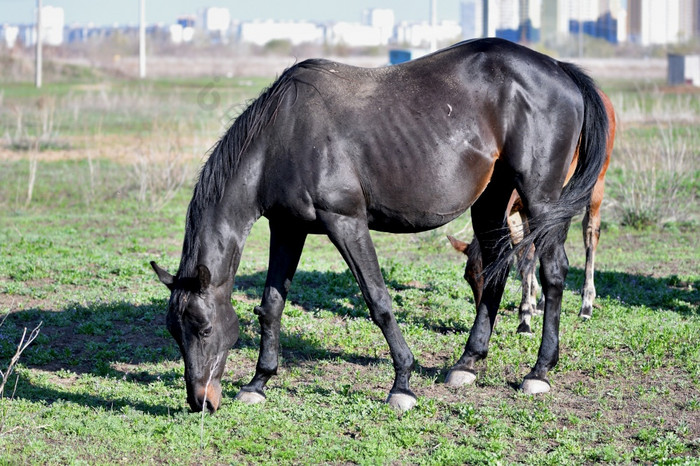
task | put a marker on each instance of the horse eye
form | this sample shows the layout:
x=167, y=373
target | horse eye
x=204, y=333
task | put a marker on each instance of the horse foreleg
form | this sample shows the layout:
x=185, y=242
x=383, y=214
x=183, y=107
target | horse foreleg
x=285, y=251
x=352, y=239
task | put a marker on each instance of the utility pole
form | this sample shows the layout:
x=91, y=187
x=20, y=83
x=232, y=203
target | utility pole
x=38, y=64
x=580, y=30
x=433, y=25
x=142, y=39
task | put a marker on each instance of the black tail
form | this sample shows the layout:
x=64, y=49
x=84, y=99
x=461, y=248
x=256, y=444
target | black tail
x=576, y=195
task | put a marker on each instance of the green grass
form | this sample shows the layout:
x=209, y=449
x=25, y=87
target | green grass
x=103, y=382
x=126, y=107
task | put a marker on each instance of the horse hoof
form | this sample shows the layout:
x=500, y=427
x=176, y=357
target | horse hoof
x=249, y=398
x=535, y=386
x=401, y=402
x=525, y=330
x=586, y=313
x=456, y=378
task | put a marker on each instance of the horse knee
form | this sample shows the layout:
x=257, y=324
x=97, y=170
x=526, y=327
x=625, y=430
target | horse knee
x=380, y=312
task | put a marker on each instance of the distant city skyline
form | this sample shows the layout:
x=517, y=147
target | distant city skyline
x=166, y=11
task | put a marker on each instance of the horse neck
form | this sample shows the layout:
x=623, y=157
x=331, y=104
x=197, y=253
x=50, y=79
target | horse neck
x=216, y=233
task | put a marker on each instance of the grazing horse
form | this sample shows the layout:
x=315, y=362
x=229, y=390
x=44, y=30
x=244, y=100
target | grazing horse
x=339, y=150
x=517, y=224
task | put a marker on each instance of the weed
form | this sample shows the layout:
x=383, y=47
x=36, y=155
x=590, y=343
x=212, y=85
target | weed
x=104, y=369
x=653, y=174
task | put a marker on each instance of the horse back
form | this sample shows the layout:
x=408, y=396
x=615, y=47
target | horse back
x=412, y=146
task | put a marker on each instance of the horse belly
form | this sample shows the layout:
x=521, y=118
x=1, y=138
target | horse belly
x=427, y=196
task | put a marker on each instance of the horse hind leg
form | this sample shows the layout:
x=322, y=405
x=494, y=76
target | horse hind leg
x=554, y=266
x=517, y=223
x=285, y=250
x=488, y=229
x=591, y=235
x=528, y=302
x=540, y=197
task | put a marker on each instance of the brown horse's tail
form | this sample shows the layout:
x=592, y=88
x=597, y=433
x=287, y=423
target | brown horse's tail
x=576, y=195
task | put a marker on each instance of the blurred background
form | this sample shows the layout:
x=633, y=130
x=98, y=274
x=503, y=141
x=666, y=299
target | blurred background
x=152, y=84
x=186, y=38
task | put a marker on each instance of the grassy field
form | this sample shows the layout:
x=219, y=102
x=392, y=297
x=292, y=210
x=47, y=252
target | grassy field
x=95, y=180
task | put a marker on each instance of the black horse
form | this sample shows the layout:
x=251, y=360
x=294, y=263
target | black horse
x=338, y=150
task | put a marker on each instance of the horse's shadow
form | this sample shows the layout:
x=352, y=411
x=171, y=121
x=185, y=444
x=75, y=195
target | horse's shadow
x=337, y=292
x=665, y=293
x=112, y=340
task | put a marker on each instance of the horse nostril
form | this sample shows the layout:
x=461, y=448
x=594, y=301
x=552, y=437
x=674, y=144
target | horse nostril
x=211, y=407
x=207, y=397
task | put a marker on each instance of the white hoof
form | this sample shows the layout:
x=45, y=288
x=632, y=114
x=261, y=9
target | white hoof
x=400, y=401
x=249, y=398
x=457, y=378
x=534, y=386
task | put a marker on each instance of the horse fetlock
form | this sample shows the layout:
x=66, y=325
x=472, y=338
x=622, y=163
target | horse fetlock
x=586, y=311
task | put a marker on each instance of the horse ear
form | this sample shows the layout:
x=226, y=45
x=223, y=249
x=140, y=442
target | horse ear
x=204, y=277
x=163, y=275
x=460, y=246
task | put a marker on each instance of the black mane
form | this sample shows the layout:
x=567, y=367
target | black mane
x=225, y=157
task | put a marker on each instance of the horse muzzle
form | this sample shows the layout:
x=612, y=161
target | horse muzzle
x=205, y=396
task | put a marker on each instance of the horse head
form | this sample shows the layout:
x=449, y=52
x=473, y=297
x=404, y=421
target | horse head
x=474, y=268
x=202, y=321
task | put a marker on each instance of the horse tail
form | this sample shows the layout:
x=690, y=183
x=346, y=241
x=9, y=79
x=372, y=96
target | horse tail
x=553, y=227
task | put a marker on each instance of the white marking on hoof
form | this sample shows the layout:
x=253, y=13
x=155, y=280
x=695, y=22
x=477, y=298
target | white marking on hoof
x=249, y=398
x=400, y=401
x=457, y=378
x=534, y=386
x=584, y=317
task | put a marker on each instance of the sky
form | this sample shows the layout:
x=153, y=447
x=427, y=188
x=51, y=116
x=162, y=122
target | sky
x=109, y=12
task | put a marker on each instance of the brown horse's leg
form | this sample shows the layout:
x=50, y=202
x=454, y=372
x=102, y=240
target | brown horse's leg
x=351, y=236
x=591, y=235
x=591, y=221
x=285, y=250
x=517, y=223
x=528, y=302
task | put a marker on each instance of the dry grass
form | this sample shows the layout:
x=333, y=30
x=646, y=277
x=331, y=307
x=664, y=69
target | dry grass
x=657, y=153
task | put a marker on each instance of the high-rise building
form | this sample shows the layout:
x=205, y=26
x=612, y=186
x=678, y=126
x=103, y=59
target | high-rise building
x=52, y=22
x=472, y=18
x=688, y=16
x=555, y=20
x=530, y=20
x=381, y=19
x=551, y=21
x=657, y=21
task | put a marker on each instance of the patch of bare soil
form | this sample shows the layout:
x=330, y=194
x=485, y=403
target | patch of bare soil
x=123, y=148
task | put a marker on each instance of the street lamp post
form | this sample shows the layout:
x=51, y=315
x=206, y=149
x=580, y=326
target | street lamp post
x=38, y=64
x=142, y=39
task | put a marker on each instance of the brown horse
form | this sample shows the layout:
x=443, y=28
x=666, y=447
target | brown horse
x=517, y=224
